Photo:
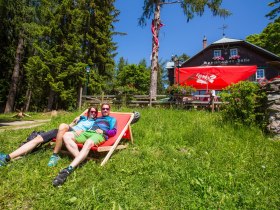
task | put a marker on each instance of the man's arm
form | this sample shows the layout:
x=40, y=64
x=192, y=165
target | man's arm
x=112, y=132
x=113, y=128
x=77, y=119
x=108, y=133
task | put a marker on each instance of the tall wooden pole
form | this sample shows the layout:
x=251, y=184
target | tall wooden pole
x=155, y=45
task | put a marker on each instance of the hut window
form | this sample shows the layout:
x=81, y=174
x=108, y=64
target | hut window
x=233, y=52
x=260, y=74
x=217, y=53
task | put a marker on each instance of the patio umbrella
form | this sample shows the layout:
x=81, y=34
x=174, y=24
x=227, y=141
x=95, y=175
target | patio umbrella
x=213, y=77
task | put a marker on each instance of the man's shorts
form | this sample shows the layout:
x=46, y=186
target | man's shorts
x=92, y=135
x=48, y=136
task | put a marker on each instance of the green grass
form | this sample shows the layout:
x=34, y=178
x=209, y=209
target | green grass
x=33, y=116
x=179, y=160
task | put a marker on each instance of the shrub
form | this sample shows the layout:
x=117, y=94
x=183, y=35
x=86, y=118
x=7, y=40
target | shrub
x=181, y=89
x=246, y=103
x=127, y=89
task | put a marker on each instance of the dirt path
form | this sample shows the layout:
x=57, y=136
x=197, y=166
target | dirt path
x=21, y=124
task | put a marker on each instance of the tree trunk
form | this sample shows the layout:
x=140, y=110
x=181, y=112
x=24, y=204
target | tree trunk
x=15, y=78
x=28, y=99
x=155, y=45
x=50, y=100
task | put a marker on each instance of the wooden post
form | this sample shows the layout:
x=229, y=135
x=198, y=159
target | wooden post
x=212, y=102
x=80, y=98
x=102, y=97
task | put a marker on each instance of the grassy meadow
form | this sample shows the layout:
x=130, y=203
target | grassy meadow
x=179, y=160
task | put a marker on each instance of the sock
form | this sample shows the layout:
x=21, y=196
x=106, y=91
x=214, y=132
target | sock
x=8, y=158
x=70, y=168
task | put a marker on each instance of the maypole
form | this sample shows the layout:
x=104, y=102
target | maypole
x=155, y=45
x=156, y=25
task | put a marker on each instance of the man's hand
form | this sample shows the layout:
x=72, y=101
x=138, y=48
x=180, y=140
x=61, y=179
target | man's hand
x=79, y=132
x=99, y=131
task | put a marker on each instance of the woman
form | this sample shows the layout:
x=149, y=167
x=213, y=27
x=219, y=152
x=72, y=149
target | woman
x=83, y=124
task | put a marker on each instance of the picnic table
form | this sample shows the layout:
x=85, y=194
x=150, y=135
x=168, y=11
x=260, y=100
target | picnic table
x=199, y=101
x=206, y=97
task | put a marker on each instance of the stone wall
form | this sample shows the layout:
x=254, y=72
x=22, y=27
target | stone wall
x=273, y=102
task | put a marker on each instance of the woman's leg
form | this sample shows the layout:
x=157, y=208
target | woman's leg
x=70, y=143
x=63, y=128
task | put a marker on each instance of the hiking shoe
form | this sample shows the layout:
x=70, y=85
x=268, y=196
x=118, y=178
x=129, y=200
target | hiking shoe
x=53, y=160
x=61, y=177
x=3, y=160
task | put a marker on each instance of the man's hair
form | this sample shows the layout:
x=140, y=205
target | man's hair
x=89, y=109
x=105, y=103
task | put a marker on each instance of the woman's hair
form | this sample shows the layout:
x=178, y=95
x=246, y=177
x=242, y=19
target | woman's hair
x=89, y=109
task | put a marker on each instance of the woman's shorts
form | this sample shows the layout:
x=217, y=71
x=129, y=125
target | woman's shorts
x=92, y=135
x=48, y=136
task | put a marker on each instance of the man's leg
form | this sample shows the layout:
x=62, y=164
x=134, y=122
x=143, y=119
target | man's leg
x=63, y=128
x=91, y=140
x=82, y=154
x=63, y=174
x=25, y=148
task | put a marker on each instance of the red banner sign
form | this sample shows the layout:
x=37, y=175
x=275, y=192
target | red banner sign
x=213, y=77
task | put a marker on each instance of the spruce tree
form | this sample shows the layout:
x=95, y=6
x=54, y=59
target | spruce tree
x=15, y=15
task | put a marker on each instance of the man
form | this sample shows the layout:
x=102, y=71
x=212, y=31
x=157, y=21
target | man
x=103, y=128
x=48, y=136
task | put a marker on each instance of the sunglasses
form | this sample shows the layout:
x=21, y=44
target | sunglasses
x=92, y=111
x=105, y=108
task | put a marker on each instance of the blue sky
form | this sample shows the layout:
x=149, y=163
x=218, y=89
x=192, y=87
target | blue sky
x=179, y=36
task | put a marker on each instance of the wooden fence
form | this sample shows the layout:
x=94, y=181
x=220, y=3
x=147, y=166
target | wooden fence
x=127, y=100
x=188, y=102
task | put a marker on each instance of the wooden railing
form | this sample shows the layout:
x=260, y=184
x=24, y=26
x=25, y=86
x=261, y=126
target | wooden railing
x=128, y=100
x=196, y=101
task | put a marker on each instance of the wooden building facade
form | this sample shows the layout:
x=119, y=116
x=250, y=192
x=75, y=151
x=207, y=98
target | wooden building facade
x=234, y=52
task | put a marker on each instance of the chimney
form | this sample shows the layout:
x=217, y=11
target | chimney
x=204, y=42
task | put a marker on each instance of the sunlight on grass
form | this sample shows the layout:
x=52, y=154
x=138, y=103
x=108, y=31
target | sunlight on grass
x=180, y=160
